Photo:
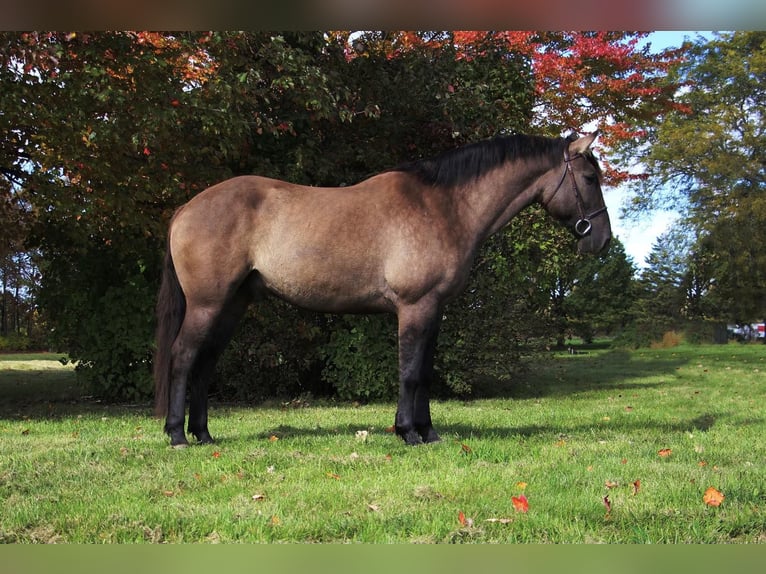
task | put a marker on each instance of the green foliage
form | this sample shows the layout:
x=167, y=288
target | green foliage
x=276, y=353
x=708, y=162
x=362, y=358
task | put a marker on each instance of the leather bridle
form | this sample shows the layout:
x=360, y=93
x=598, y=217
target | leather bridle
x=583, y=226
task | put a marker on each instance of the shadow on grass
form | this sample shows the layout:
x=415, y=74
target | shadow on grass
x=52, y=393
x=560, y=375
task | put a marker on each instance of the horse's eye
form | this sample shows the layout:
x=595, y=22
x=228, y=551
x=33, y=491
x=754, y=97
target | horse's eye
x=591, y=178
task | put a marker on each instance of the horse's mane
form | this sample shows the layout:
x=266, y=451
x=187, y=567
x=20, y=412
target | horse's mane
x=467, y=163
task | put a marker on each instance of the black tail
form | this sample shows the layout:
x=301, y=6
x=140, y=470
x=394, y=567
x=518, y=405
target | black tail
x=171, y=308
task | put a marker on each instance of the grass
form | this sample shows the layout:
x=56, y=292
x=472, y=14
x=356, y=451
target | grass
x=577, y=429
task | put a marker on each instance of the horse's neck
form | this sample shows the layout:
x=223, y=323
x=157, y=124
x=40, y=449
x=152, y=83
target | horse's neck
x=491, y=201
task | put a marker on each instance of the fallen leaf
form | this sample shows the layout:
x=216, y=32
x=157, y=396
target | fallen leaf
x=25, y=432
x=333, y=475
x=521, y=485
x=713, y=497
x=461, y=518
x=628, y=409
x=624, y=461
x=607, y=504
x=123, y=451
x=216, y=454
x=610, y=484
x=500, y=520
x=520, y=503
x=636, y=486
x=168, y=493
x=561, y=442
x=465, y=448
x=391, y=429
x=259, y=496
x=702, y=463
x=275, y=521
x=373, y=507
x=665, y=452
x=273, y=438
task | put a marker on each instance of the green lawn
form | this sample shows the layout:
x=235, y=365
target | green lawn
x=578, y=429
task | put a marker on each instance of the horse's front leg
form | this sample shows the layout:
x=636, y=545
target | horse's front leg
x=418, y=331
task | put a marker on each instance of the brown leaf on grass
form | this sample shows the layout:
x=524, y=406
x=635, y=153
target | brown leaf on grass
x=373, y=507
x=258, y=497
x=465, y=449
x=611, y=484
x=636, y=487
x=275, y=521
x=665, y=452
x=333, y=475
x=713, y=497
x=607, y=504
x=168, y=493
x=273, y=438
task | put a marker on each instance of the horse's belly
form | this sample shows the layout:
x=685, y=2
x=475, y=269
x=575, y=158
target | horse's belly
x=319, y=284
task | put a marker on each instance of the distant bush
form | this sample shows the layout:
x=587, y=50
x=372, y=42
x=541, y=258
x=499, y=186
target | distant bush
x=669, y=340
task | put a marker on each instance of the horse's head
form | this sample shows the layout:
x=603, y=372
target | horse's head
x=573, y=195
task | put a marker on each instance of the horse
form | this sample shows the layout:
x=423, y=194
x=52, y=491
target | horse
x=402, y=241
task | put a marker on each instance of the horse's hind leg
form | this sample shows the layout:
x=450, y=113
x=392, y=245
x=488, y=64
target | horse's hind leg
x=184, y=356
x=204, y=368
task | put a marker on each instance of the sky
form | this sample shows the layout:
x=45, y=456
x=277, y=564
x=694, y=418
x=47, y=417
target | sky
x=639, y=236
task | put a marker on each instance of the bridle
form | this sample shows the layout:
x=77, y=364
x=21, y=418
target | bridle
x=583, y=226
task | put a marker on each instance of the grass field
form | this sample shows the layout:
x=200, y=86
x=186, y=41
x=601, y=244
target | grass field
x=602, y=446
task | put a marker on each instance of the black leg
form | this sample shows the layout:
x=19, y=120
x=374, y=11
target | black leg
x=418, y=330
x=204, y=368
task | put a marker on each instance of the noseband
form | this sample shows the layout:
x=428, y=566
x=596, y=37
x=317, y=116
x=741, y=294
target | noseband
x=583, y=226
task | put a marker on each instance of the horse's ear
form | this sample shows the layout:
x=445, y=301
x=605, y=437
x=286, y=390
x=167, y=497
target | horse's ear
x=581, y=145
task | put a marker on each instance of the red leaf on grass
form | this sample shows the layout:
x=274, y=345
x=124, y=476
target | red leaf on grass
x=636, y=487
x=665, y=452
x=607, y=504
x=461, y=519
x=465, y=449
x=713, y=497
x=216, y=454
x=520, y=503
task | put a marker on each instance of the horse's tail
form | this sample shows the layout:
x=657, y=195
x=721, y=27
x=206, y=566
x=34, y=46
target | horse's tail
x=171, y=308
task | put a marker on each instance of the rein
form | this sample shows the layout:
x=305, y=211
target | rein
x=583, y=226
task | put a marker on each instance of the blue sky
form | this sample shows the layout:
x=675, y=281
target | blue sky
x=639, y=236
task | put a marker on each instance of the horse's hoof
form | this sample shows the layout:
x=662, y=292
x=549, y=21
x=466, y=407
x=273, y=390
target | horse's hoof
x=204, y=438
x=431, y=436
x=412, y=438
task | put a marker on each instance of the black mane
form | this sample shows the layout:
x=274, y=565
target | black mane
x=467, y=163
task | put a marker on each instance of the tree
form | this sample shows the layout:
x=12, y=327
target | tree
x=710, y=163
x=602, y=294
